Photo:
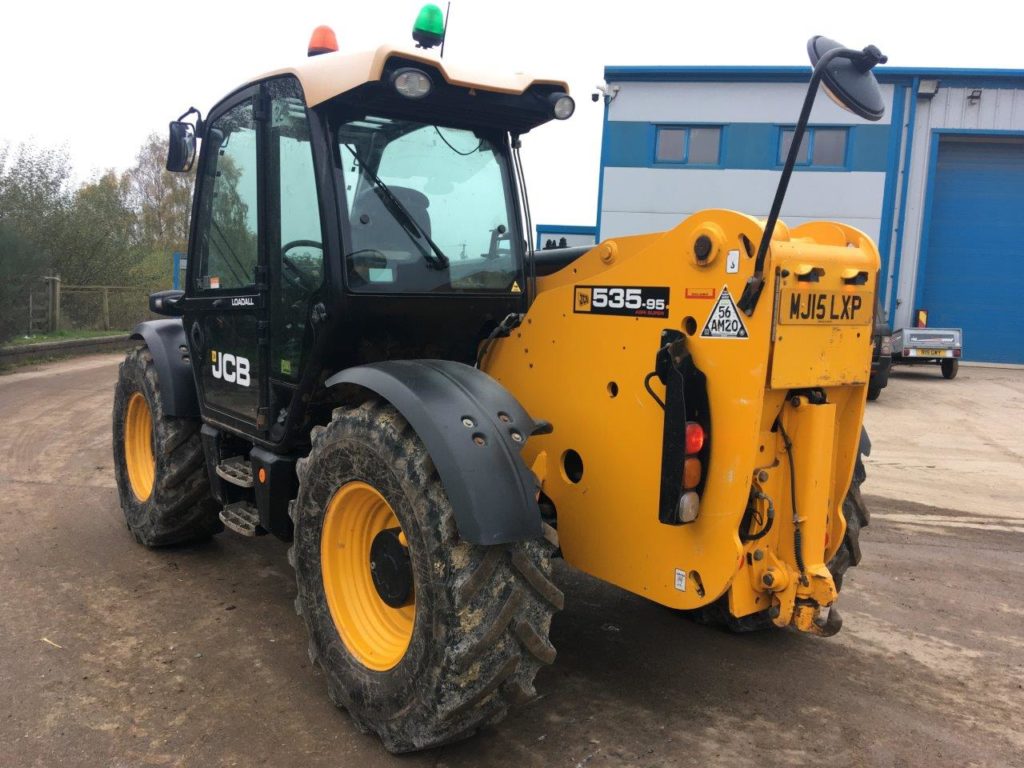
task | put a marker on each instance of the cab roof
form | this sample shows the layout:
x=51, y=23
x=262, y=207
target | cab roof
x=330, y=74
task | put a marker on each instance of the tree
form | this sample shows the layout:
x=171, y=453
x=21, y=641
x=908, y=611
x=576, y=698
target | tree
x=35, y=196
x=115, y=229
x=97, y=241
x=162, y=202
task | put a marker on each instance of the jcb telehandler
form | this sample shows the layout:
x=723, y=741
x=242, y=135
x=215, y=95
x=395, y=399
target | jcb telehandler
x=368, y=359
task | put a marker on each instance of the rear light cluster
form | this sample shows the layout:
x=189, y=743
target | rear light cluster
x=693, y=472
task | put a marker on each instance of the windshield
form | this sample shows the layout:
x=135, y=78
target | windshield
x=429, y=207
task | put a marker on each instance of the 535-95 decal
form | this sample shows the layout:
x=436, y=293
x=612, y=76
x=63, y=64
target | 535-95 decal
x=632, y=301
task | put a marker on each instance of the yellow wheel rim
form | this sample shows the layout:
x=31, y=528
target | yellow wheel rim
x=138, y=446
x=376, y=634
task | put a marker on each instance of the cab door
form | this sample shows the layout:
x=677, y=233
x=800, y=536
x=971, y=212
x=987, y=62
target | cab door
x=294, y=236
x=224, y=305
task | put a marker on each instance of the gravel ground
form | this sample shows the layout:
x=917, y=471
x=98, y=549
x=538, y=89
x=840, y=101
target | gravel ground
x=112, y=655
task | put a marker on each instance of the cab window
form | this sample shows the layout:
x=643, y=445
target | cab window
x=296, y=257
x=227, y=226
x=430, y=208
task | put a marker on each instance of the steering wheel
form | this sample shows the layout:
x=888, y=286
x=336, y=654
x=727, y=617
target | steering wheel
x=292, y=272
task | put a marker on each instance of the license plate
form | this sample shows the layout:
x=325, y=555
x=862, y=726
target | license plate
x=804, y=307
x=930, y=352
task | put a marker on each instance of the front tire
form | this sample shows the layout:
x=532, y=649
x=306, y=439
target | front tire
x=158, y=462
x=472, y=633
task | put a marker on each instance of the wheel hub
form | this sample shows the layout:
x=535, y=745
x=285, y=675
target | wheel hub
x=374, y=613
x=138, y=446
x=391, y=568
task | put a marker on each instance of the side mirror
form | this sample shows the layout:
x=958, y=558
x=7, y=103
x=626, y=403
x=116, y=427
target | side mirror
x=847, y=78
x=166, y=303
x=849, y=81
x=181, y=148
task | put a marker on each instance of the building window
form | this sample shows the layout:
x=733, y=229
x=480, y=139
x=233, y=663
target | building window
x=688, y=145
x=819, y=147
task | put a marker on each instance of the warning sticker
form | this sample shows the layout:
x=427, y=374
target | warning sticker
x=732, y=262
x=700, y=293
x=725, y=321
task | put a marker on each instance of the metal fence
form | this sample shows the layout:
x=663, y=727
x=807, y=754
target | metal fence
x=25, y=306
x=43, y=304
x=101, y=307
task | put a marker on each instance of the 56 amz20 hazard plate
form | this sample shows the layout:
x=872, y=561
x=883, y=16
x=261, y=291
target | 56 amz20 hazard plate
x=631, y=301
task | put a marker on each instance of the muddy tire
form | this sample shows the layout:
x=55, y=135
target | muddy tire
x=847, y=556
x=480, y=616
x=158, y=462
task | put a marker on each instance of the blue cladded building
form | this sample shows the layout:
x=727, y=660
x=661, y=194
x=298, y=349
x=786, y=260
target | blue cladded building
x=938, y=182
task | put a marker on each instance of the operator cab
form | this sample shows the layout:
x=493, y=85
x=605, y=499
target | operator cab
x=336, y=200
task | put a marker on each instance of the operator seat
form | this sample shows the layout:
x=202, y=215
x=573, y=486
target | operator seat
x=374, y=227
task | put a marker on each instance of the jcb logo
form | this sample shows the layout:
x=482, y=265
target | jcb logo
x=234, y=369
x=583, y=296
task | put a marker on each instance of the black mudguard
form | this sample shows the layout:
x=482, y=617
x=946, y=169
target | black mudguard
x=468, y=423
x=169, y=348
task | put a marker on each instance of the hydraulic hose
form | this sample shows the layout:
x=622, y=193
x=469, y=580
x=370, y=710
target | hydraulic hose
x=798, y=551
x=769, y=519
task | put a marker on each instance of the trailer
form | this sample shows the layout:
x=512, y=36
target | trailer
x=929, y=346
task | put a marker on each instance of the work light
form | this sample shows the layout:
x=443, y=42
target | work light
x=562, y=105
x=411, y=83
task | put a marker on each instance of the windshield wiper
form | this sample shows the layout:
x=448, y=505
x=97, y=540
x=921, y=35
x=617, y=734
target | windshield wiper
x=435, y=259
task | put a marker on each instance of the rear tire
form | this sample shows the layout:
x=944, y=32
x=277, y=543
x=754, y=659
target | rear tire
x=481, y=614
x=847, y=556
x=874, y=391
x=158, y=462
x=950, y=368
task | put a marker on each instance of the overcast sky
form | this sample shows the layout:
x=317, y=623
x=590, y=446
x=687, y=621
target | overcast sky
x=99, y=76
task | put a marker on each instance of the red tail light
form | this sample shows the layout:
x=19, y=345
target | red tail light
x=694, y=437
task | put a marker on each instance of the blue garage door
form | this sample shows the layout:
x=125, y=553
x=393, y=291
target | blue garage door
x=974, y=263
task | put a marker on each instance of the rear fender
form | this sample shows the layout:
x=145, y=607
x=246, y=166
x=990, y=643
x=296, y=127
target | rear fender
x=474, y=430
x=169, y=350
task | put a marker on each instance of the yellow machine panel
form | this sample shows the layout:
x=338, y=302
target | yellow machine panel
x=825, y=307
x=584, y=357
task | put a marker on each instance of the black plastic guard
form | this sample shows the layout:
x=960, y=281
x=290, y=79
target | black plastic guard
x=468, y=423
x=166, y=340
x=272, y=495
x=686, y=399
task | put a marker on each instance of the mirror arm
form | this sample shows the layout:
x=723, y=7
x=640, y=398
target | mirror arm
x=199, y=119
x=755, y=283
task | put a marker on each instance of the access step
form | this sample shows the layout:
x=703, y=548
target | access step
x=237, y=470
x=243, y=518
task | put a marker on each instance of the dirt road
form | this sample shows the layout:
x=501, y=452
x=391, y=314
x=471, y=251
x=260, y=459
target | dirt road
x=112, y=655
